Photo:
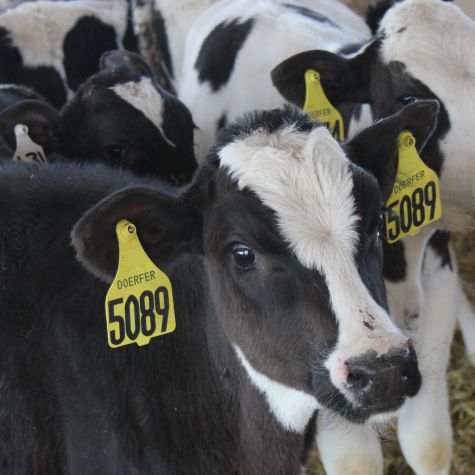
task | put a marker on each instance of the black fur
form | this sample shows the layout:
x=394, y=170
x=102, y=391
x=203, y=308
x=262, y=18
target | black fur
x=182, y=404
x=439, y=243
x=43, y=79
x=83, y=47
x=219, y=50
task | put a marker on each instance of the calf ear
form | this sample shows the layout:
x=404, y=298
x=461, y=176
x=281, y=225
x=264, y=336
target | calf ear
x=344, y=80
x=120, y=58
x=165, y=226
x=42, y=120
x=376, y=148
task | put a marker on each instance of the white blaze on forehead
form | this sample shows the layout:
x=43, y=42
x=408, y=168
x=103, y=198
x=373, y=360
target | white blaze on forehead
x=291, y=407
x=306, y=179
x=143, y=96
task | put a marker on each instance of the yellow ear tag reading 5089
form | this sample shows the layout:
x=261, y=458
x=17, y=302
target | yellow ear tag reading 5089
x=318, y=107
x=415, y=197
x=139, y=303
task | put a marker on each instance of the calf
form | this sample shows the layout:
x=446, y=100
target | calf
x=225, y=73
x=119, y=116
x=413, y=56
x=54, y=46
x=275, y=262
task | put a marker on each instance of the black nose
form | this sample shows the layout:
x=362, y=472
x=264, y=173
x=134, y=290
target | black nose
x=381, y=383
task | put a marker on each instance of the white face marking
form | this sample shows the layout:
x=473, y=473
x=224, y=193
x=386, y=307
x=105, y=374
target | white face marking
x=436, y=43
x=291, y=407
x=305, y=178
x=143, y=96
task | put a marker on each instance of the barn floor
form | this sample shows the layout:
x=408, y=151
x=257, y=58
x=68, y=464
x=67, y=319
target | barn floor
x=462, y=391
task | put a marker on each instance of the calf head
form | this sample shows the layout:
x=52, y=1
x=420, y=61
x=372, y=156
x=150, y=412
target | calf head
x=288, y=224
x=423, y=49
x=119, y=116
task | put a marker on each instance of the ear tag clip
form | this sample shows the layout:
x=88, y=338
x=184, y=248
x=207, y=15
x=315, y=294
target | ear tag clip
x=27, y=150
x=415, y=197
x=139, y=303
x=319, y=108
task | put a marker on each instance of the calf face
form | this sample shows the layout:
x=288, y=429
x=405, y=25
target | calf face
x=288, y=227
x=119, y=116
x=423, y=50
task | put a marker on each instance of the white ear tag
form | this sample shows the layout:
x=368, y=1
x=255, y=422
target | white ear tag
x=27, y=150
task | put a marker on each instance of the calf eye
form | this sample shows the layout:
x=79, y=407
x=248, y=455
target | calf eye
x=114, y=153
x=243, y=256
x=407, y=99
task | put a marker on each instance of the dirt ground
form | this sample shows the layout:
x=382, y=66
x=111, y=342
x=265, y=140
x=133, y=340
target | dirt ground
x=462, y=390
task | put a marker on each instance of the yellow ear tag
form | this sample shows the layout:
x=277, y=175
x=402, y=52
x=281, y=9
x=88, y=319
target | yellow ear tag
x=415, y=197
x=139, y=303
x=318, y=107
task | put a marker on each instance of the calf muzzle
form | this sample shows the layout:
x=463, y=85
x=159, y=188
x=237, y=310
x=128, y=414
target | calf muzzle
x=382, y=382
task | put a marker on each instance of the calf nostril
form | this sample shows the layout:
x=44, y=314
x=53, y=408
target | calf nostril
x=358, y=378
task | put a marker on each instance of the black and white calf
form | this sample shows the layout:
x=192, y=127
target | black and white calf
x=119, y=116
x=414, y=56
x=54, y=46
x=275, y=262
x=233, y=47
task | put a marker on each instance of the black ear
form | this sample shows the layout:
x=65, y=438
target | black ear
x=43, y=122
x=165, y=226
x=120, y=58
x=344, y=80
x=376, y=148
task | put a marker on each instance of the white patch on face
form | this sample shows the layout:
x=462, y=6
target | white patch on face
x=436, y=43
x=291, y=407
x=143, y=96
x=306, y=179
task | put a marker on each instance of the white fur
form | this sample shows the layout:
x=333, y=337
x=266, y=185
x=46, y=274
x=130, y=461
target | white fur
x=424, y=427
x=143, y=96
x=466, y=320
x=305, y=179
x=436, y=43
x=337, y=438
x=277, y=34
x=178, y=16
x=38, y=29
x=291, y=407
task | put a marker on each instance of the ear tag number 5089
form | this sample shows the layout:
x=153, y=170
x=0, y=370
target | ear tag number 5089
x=415, y=197
x=319, y=108
x=139, y=303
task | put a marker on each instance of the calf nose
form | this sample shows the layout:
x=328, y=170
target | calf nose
x=383, y=382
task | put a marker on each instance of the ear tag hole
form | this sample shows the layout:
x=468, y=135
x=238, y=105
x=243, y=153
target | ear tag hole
x=27, y=150
x=319, y=108
x=139, y=304
x=415, y=198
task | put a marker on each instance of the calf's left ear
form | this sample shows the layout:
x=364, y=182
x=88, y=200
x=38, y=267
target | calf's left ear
x=42, y=120
x=376, y=148
x=165, y=226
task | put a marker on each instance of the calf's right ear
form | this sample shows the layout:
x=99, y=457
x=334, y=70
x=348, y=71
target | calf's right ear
x=122, y=58
x=165, y=224
x=43, y=122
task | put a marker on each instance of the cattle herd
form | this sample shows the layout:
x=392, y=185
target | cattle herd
x=145, y=138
